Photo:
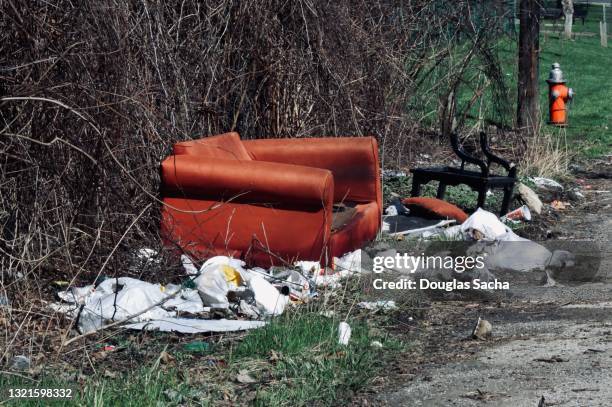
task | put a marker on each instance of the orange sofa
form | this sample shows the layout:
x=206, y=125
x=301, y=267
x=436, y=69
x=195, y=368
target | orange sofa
x=272, y=199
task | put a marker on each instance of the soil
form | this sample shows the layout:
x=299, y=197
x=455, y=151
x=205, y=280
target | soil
x=549, y=345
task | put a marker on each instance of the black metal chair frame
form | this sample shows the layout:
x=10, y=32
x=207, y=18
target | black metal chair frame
x=479, y=181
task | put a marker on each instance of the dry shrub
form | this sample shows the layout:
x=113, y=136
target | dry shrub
x=93, y=95
x=546, y=155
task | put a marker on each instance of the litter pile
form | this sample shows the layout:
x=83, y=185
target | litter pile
x=222, y=286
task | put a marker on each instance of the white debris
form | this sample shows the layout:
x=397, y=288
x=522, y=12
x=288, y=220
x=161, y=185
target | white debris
x=350, y=262
x=391, y=211
x=548, y=184
x=148, y=255
x=378, y=305
x=190, y=268
x=190, y=326
x=531, y=198
x=485, y=225
x=344, y=333
x=268, y=299
x=117, y=299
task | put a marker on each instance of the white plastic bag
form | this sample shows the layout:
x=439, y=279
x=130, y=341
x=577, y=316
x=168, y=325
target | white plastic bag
x=486, y=223
x=267, y=298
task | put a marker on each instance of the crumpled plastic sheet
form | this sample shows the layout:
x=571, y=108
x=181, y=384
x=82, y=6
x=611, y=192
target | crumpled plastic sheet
x=119, y=299
x=505, y=250
x=192, y=326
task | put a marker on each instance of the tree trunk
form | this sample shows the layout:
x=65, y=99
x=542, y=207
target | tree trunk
x=568, y=12
x=528, y=103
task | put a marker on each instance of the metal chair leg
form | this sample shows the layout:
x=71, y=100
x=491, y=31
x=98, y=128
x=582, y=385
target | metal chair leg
x=482, y=195
x=506, y=200
x=416, y=187
x=441, y=190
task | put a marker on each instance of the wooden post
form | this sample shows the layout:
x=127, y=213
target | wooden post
x=603, y=29
x=528, y=101
x=568, y=25
x=568, y=13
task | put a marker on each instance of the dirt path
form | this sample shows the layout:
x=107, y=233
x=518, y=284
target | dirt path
x=552, y=342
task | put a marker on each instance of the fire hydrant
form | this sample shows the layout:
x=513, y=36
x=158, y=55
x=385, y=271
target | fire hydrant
x=558, y=96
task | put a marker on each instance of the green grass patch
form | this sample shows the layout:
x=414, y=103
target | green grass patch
x=311, y=366
x=294, y=360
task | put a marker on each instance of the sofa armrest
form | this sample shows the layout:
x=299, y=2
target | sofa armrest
x=353, y=162
x=246, y=181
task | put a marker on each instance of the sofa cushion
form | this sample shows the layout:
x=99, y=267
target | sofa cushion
x=225, y=146
x=434, y=207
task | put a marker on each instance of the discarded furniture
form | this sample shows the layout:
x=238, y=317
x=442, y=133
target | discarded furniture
x=480, y=181
x=267, y=200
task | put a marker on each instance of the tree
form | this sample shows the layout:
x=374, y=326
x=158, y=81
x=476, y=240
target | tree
x=568, y=12
x=528, y=104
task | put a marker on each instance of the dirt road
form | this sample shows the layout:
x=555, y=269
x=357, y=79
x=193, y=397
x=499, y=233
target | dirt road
x=554, y=342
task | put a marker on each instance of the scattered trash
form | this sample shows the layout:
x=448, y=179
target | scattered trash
x=575, y=195
x=268, y=299
x=530, y=198
x=482, y=330
x=548, y=184
x=166, y=358
x=559, y=205
x=109, y=348
x=378, y=305
x=518, y=214
x=190, y=268
x=389, y=174
x=412, y=225
x=436, y=208
x=244, y=377
x=217, y=276
x=552, y=359
x=344, y=333
x=223, y=288
x=376, y=344
x=350, y=262
x=192, y=325
x=20, y=362
x=197, y=347
x=484, y=225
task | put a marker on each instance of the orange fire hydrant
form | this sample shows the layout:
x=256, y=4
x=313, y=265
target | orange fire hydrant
x=558, y=96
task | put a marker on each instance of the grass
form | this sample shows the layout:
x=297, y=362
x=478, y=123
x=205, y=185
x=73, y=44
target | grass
x=586, y=68
x=294, y=360
x=585, y=65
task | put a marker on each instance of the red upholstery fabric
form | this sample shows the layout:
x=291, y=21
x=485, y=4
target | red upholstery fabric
x=362, y=228
x=352, y=160
x=217, y=203
x=224, y=146
x=245, y=181
x=435, y=207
